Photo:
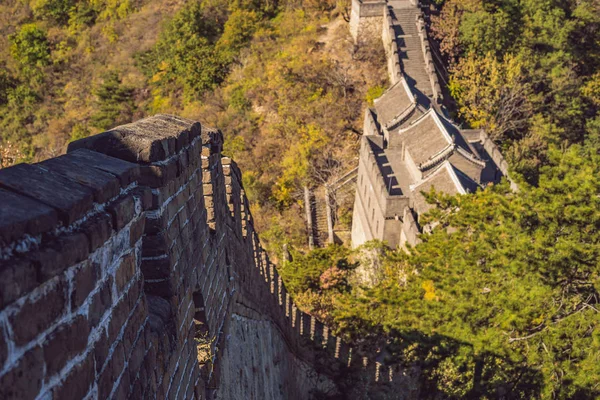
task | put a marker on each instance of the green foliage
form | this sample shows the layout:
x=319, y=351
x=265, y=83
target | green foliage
x=238, y=31
x=55, y=10
x=317, y=278
x=31, y=50
x=501, y=299
x=305, y=271
x=7, y=83
x=83, y=14
x=520, y=62
x=115, y=101
x=297, y=161
x=79, y=131
x=185, y=56
x=374, y=93
x=483, y=32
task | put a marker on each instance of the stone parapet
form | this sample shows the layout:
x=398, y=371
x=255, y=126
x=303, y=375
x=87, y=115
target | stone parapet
x=115, y=256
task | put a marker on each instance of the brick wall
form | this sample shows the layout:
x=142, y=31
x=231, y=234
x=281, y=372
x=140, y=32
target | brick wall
x=114, y=256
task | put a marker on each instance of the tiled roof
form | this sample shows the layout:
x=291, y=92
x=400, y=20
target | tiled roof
x=426, y=138
x=394, y=103
x=446, y=179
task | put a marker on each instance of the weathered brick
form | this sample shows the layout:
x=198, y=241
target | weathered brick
x=17, y=277
x=136, y=358
x=3, y=348
x=24, y=380
x=131, y=330
x=61, y=253
x=112, y=370
x=126, y=172
x=101, y=348
x=154, y=245
x=69, y=198
x=98, y=230
x=101, y=302
x=104, y=186
x=64, y=343
x=125, y=271
x=133, y=296
x=35, y=316
x=137, y=391
x=118, y=317
x=84, y=281
x=145, y=195
x=20, y=214
x=156, y=176
x=137, y=230
x=78, y=382
x=122, y=391
x=156, y=268
x=122, y=211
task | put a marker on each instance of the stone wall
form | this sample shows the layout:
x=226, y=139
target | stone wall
x=121, y=259
x=366, y=17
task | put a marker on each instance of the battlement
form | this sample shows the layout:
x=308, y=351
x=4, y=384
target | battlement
x=407, y=141
x=117, y=256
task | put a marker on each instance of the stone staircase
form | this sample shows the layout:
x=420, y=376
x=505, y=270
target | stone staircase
x=345, y=190
x=319, y=211
x=411, y=50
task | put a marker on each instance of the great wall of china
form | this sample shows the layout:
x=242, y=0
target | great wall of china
x=117, y=255
x=130, y=268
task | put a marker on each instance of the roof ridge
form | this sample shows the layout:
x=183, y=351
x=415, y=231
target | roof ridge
x=437, y=158
x=470, y=157
x=397, y=120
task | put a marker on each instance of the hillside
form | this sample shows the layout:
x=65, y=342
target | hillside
x=261, y=72
x=501, y=297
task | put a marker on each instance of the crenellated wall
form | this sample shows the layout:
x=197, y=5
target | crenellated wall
x=130, y=268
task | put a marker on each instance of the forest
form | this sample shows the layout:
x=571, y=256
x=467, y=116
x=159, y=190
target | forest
x=262, y=72
x=500, y=300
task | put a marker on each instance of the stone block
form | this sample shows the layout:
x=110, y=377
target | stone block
x=38, y=314
x=20, y=214
x=64, y=343
x=154, y=245
x=156, y=176
x=122, y=391
x=63, y=252
x=101, y=302
x=104, y=186
x=3, y=348
x=163, y=288
x=70, y=199
x=145, y=196
x=122, y=212
x=118, y=318
x=84, y=281
x=156, y=268
x=14, y=385
x=112, y=370
x=100, y=350
x=125, y=271
x=137, y=230
x=18, y=276
x=136, y=358
x=126, y=172
x=78, y=382
x=97, y=230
